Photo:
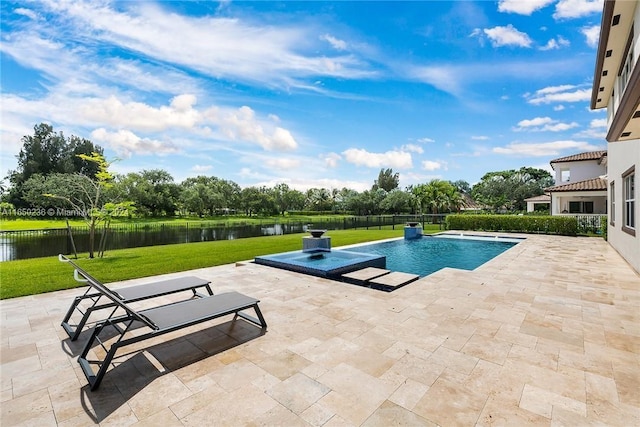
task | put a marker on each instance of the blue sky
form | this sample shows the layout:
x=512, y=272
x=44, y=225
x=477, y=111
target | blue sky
x=311, y=94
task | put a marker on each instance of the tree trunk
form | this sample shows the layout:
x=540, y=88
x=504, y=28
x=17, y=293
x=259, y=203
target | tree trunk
x=92, y=238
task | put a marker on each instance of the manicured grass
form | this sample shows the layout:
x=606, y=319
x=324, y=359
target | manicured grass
x=38, y=224
x=39, y=275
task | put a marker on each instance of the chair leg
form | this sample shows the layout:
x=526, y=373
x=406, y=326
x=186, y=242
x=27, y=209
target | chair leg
x=69, y=329
x=95, y=379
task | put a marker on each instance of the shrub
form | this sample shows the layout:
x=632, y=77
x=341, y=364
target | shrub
x=547, y=224
x=604, y=226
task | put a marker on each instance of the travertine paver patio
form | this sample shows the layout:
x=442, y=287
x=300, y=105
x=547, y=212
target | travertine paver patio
x=548, y=333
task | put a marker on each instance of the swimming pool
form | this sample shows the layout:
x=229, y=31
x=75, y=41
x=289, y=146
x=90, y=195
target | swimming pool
x=322, y=263
x=431, y=253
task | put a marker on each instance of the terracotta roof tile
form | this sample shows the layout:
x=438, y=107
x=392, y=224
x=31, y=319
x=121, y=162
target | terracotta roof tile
x=591, y=155
x=594, y=184
x=541, y=198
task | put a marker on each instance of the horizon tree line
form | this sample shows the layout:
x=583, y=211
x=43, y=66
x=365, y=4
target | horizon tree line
x=48, y=158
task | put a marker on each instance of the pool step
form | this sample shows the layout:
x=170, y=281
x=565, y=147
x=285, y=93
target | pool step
x=379, y=278
x=393, y=280
x=360, y=276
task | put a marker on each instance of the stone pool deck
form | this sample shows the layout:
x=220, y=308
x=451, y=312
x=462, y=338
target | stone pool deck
x=548, y=333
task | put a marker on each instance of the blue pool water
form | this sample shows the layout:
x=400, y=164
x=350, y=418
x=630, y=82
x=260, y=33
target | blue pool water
x=323, y=264
x=429, y=254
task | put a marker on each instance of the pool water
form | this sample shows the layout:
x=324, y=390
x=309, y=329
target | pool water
x=429, y=254
x=323, y=264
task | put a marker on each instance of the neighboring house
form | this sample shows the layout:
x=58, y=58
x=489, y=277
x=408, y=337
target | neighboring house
x=534, y=202
x=616, y=87
x=581, y=185
x=470, y=205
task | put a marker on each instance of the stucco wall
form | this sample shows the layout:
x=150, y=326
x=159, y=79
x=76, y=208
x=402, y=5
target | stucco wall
x=579, y=171
x=622, y=156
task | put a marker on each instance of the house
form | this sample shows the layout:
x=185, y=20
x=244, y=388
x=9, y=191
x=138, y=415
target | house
x=542, y=201
x=581, y=185
x=616, y=87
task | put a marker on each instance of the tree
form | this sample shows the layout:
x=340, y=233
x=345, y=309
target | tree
x=462, y=186
x=287, y=199
x=202, y=195
x=508, y=189
x=152, y=191
x=86, y=195
x=343, y=199
x=318, y=199
x=436, y=196
x=47, y=152
x=396, y=202
x=387, y=180
x=257, y=200
x=228, y=193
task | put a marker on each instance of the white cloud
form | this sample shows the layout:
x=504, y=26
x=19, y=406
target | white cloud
x=389, y=159
x=554, y=89
x=125, y=143
x=540, y=124
x=425, y=140
x=441, y=77
x=597, y=130
x=412, y=148
x=455, y=77
x=201, y=168
x=521, y=7
x=336, y=43
x=430, y=165
x=577, y=8
x=559, y=126
x=242, y=125
x=558, y=108
x=538, y=121
x=26, y=12
x=331, y=160
x=540, y=149
x=592, y=35
x=214, y=122
x=480, y=137
x=555, y=44
x=507, y=36
x=283, y=163
x=139, y=116
x=224, y=48
x=563, y=93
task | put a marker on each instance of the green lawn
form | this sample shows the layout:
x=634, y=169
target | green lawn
x=38, y=275
x=38, y=224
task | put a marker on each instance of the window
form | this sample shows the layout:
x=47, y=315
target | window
x=574, y=207
x=588, y=207
x=581, y=207
x=565, y=175
x=612, y=198
x=628, y=196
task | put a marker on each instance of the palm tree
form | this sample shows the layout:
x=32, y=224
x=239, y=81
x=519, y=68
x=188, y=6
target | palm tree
x=455, y=200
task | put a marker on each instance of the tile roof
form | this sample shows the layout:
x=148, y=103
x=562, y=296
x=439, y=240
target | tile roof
x=543, y=198
x=594, y=184
x=591, y=155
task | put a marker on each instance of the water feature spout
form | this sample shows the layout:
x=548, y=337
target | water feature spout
x=316, y=242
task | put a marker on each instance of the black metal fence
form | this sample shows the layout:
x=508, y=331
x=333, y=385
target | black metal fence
x=25, y=244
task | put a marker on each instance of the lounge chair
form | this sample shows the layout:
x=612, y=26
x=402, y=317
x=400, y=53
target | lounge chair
x=159, y=320
x=127, y=295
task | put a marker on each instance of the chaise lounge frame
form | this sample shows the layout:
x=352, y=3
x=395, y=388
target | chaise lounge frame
x=160, y=320
x=127, y=295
